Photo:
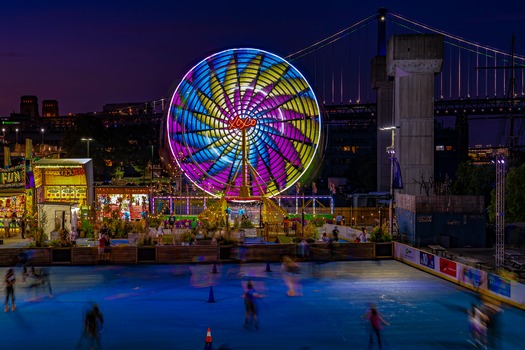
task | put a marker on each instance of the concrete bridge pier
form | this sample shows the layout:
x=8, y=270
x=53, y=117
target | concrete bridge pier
x=413, y=60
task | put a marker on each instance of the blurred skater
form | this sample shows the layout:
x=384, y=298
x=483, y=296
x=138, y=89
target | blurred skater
x=25, y=258
x=10, y=281
x=477, y=326
x=93, y=323
x=250, y=305
x=41, y=279
x=304, y=250
x=290, y=270
x=493, y=312
x=376, y=325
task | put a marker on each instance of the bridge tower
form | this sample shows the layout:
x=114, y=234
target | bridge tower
x=384, y=88
x=413, y=60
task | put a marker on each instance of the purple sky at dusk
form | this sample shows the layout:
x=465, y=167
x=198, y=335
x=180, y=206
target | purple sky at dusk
x=87, y=54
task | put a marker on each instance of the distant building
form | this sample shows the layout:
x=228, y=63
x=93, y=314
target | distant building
x=50, y=108
x=129, y=108
x=29, y=106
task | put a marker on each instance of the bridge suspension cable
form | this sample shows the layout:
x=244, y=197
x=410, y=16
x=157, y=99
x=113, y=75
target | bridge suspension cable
x=331, y=39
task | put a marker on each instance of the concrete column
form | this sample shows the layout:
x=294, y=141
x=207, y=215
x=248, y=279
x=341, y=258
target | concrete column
x=384, y=89
x=413, y=60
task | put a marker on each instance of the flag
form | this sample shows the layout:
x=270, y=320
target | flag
x=29, y=148
x=331, y=186
x=397, y=179
x=7, y=157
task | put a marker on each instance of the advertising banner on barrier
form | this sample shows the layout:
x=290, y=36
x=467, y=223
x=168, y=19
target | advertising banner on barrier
x=448, y=267
x=472, y=277
x=427, y=260
x=479, y=280
x=499, y=285
x=410, y=254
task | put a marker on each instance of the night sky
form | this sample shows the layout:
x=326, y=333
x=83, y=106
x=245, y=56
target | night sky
x=87, y=54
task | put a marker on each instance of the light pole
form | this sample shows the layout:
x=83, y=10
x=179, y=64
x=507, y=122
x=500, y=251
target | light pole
x=3, y=134
x=16, y=130
x=391, y=152
x=87, y=140
x=42, y=131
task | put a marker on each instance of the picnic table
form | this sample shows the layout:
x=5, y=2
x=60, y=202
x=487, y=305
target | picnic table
x=518, y=265
x=471, y=261
x=436, y=249
x=513, y=255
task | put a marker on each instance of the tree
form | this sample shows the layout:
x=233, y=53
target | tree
x=514, y=196
x=475, y=180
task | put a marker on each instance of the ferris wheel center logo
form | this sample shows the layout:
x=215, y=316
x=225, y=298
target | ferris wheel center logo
x=241, y=123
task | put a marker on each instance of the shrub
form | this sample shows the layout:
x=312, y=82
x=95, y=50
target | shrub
x=380, y=234
x=318, y=221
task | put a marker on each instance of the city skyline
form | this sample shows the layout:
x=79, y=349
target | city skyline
x=86, y=55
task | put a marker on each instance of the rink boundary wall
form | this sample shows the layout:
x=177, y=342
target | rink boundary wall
x=502, y=288
x=173, y=254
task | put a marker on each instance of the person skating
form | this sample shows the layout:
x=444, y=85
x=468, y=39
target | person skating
x=93, y=323
x=250, y=305
x=10, y=281
x=376, y=325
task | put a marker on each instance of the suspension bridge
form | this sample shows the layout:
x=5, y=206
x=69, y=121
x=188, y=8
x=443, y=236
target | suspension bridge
x=477, y=83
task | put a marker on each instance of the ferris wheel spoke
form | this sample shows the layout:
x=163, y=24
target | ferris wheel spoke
x=268, y=169
x=253, y=85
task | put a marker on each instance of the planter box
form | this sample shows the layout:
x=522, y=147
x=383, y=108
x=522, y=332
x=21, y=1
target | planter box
x=269, y=252
x=182, y=254
x=61, y=255
x=225, y=252
x=146, y=254
x=123, y=255
x=84, y=255
x=384, y=250
x=41, y=256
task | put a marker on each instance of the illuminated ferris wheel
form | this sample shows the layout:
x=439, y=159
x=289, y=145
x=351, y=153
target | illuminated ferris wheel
x=243, y=123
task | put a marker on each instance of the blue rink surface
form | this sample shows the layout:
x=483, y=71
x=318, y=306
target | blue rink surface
x=171, y=307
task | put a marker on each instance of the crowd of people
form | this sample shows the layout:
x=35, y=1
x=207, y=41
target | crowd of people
x=12, y=223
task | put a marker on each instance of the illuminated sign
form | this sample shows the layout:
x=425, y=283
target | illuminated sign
x=241, y=123
x=13, y=177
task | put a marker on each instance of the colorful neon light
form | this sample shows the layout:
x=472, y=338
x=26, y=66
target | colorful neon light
x=241, y=123
x=236, y=95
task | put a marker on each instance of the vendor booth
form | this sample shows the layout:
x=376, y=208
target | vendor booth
x=64, y=180
x=63, y=188
x=124, y=202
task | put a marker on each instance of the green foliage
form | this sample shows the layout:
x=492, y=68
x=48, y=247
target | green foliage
x=246, y=224
x=226, y=240
x=62, y=241
x=154, y=221
x=145, y=239
x=187, y=236
x=36, y=229
x=514, y=196
x=475, y=180
x=137, y=226
x=88, y=228
x=380, y=234
x=318, y=221
x=310, y=231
